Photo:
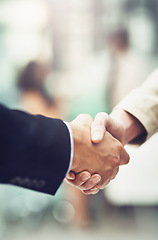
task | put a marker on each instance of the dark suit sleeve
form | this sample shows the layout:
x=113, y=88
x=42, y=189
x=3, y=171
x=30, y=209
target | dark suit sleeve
x=34, y=150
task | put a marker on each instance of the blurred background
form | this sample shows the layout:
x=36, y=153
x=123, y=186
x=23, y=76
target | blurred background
x=64, y=57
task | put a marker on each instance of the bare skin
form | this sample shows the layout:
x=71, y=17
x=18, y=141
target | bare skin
x=102, y=158
x=121, y=125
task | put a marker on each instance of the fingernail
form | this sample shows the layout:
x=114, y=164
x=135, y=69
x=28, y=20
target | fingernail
x=96, y=180
x=85, y=176
x=96, y=135
x=70, y=176
x=94, y=189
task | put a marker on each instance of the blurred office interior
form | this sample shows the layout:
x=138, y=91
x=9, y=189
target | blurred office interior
x=92, y=53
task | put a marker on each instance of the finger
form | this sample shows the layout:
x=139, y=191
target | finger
x=80, y=179
x=83, y=119
x=69, y=182
x=99, y=126
x=71, y=175
x=115, y=172
x=105, y=184
x=107, y=181
x=91, y=183
x=124, y=158
x=93, y=190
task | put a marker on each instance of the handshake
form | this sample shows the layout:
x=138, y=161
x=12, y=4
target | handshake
x=98, y=151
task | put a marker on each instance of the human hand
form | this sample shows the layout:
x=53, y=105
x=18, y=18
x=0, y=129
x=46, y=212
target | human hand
x=120, y=124
x=103, y=158
x=84, y=181
x=104, y=122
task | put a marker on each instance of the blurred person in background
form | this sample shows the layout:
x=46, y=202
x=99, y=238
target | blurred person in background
x=128, y=69
x=34, y=96
x=135, y=118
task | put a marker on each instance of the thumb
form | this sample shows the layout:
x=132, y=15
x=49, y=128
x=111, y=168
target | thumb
x=98, y=127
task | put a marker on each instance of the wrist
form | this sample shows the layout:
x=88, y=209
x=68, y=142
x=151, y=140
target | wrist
x=131, y=128
x=76, y=143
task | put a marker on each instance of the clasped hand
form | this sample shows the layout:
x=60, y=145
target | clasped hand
x=97, y=154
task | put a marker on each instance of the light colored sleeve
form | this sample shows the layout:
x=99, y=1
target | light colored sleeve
x=142, y=103
x=72, y=147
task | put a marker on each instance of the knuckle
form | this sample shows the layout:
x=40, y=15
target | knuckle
x=109, y=174
x=85, y=115
x=89, y=117
x=102, y=115
x=119, y=147
x=127, y=159
x=82, y=115
x=116, y=161
x=114, y=175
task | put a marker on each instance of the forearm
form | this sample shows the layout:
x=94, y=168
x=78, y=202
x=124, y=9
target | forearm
x=33, y=148
x=142, y=103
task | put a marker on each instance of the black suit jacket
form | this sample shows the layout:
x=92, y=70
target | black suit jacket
x=34, y=150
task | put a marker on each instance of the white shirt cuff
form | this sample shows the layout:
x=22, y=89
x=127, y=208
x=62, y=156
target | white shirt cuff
x=72, y=147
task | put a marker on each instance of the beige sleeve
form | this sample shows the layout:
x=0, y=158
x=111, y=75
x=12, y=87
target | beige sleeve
x=143, y=104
